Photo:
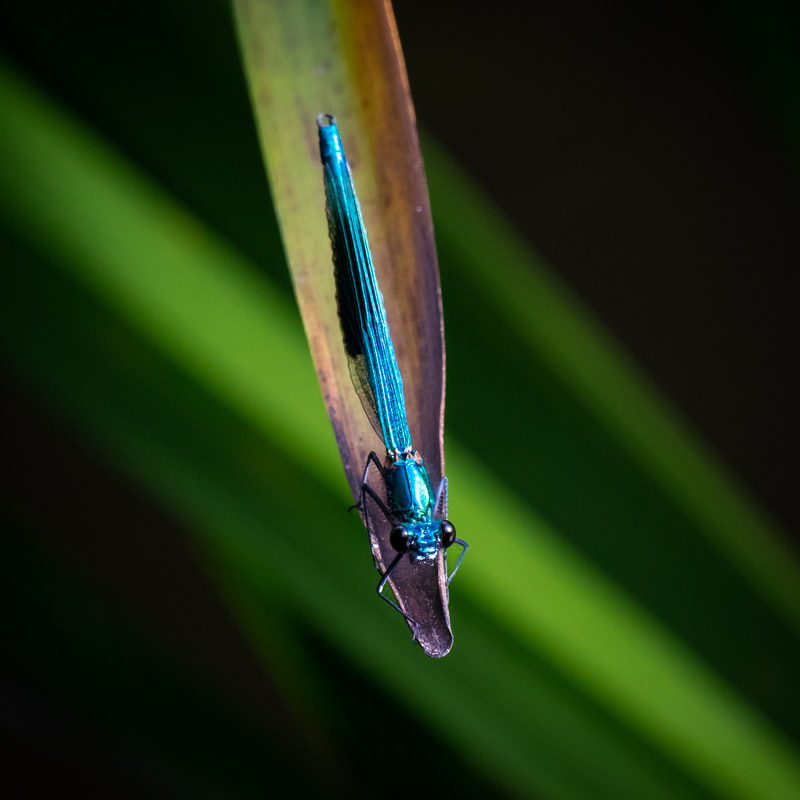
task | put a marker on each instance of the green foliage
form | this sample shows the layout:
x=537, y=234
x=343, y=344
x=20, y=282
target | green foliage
x=620, y=604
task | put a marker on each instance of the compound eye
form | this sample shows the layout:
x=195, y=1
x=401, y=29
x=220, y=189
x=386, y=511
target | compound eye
x=448, y=533
x=398, y=538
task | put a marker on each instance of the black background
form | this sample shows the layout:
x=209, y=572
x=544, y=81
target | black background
x=650, y=155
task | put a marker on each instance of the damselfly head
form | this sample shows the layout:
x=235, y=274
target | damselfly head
x=448, y=533
x=398, y=538
x=423, y=540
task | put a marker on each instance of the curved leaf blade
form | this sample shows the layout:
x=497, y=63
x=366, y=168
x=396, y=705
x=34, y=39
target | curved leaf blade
x=308, y=58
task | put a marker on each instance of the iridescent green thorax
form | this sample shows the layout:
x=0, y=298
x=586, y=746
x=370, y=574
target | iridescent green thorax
x=411, y=498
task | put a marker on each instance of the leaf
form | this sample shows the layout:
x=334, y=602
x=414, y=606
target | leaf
x=614, y=640
x=308, y=58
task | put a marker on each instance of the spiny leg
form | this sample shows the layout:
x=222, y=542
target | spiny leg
x=440, y=512
x=368, y=491
x=464, y=547
x=365, y=488
x=440, y=501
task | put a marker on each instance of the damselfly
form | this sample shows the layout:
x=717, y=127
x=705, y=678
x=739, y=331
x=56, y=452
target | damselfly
x=414, y=512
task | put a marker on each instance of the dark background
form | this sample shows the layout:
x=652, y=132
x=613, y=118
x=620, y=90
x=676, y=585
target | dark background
x=650, y=155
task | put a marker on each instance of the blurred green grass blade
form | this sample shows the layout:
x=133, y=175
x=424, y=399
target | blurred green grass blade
x=551, y=447
x=109, y=230
x=253, y=517
x=165, y=273
x=544, y=320
x=549, y=324
x=617, y=652
x=180, y=443
x=249, y=514
x=252, y=512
